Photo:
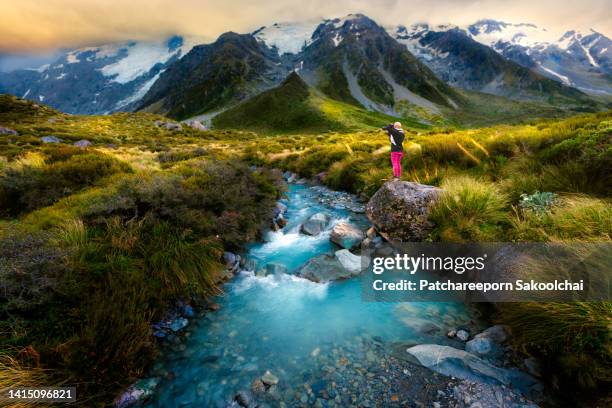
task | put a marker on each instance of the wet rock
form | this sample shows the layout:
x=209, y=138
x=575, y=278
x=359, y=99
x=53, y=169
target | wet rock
x=178, y=324
x=258, y=387
x=83, y=143
x=8, y=131
x=269, y=379
x=487, y=343
x=276, y=269
x=324, y=268
x=50, y=139
x=399, y=210
x=463, y=334
x=346, y=235
x=451, y=334
x=351, y=262
x=460, y=364
x=232, y=262
x=137, y=392
x=315, y=224
x=244, y=398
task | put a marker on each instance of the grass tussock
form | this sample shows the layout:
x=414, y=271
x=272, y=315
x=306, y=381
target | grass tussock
x=573, y=338
x=469, y=210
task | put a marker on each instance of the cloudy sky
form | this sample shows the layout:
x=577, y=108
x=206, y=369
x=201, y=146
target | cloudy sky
x=40, y=26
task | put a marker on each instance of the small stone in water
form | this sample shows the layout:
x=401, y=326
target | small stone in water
x=315, y=352
x=258, y=386
x=451, y=333
x=463, y=335
x=269, y=379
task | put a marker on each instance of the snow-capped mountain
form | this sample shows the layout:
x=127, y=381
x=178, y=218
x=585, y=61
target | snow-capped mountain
x=99, y=79
x=575, y=59
x=465, y=63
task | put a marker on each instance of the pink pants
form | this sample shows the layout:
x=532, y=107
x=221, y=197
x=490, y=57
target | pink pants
x=396, y=161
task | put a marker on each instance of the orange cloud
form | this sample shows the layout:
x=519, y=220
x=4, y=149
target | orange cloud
x=36, y=25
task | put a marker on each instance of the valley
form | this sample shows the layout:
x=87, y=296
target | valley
x=182, y=222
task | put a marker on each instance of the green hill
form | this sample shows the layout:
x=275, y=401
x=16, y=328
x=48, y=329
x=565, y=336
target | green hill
x=294, y=107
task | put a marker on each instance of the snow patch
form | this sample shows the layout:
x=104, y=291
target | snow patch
x=139, y=93
x=140, y=59
x=337, y=39
x=288, y=38
x=563, y=78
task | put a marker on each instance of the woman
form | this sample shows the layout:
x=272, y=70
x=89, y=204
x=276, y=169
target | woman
x=396, y=136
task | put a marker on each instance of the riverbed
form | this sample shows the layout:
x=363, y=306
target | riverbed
x=321, y=341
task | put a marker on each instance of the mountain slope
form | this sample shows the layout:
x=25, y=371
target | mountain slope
x=463, y=62
x=354, y=60
x=582, y=61
x=294, y=107
x=96, y=80
x=213, y=76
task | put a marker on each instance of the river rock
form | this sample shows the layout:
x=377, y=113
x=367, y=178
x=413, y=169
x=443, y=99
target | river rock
x=276, y=269
x=324, y=268
x=346, y=235
x=83, y=143
x=457, y=363
x=399, y=210
x=471, y=394
x=178, y=324
x=139, y=391
x=487, y=343
x=244, y=398
x=463, y=334
x=232, y=261
x=269, y=379
x=50, y=139
x=315, y=224
x=351, y=262
x=8, y=131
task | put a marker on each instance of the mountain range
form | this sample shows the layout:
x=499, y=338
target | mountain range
x=352, y=60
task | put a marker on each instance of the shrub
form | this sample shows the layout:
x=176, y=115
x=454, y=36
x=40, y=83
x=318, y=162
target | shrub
x=469, y=210
x=33, y=182
x=538, y=202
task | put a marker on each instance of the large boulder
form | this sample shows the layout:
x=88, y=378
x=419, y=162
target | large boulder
x=351, y=262
x=399, y=210
x=460, y=364
x=346, y=235
x=324, y=268
x=315, y=224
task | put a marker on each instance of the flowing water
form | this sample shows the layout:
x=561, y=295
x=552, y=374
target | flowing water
x=297, y=329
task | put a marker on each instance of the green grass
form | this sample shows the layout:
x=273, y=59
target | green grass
x=293, y=107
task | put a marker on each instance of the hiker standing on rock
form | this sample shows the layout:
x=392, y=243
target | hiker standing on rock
x=396, y=136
